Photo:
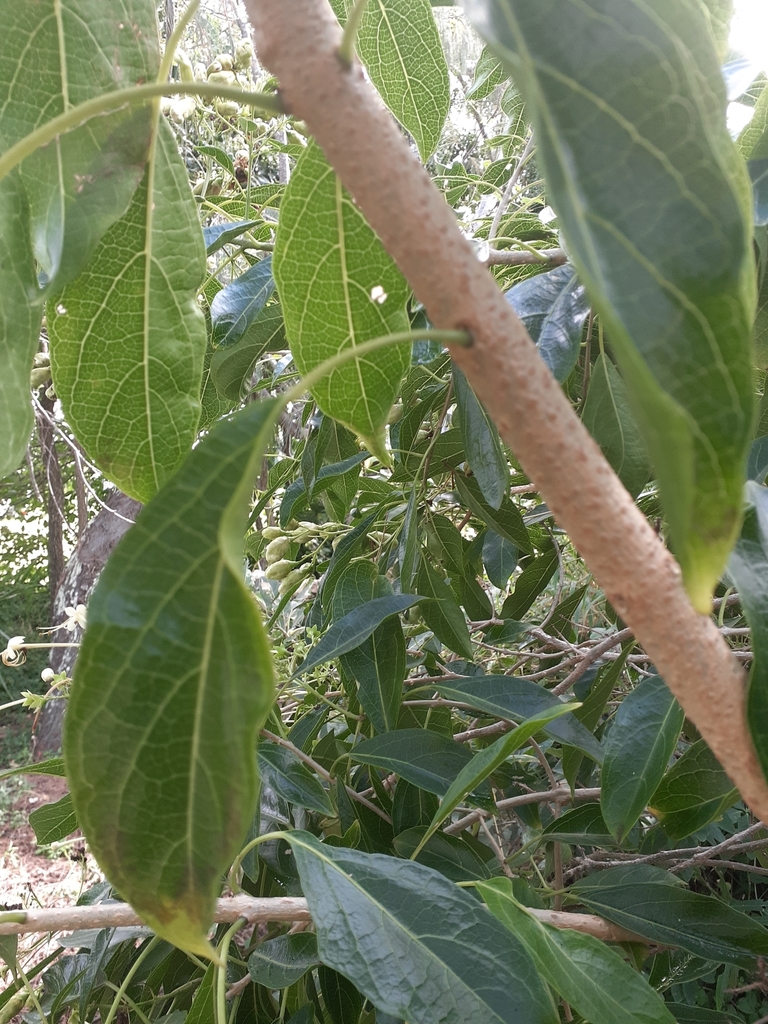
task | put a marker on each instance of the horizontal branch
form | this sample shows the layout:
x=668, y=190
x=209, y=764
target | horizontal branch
x=299, y=43
x=560, y=795
x=121, y=915
x=513, y=258
x=253, y=909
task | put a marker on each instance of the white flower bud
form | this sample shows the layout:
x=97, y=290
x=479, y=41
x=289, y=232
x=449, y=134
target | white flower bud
x=47, y=675
x=276, y=549
x=272, y=532
x=279, y=570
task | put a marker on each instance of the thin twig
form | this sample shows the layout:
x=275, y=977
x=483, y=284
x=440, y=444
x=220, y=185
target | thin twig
x=323, y=773
x=510, y=187
x=514, y=258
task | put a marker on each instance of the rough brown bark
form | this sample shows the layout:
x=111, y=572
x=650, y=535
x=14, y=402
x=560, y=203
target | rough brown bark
x=54, y=491
x=78, y=579
x=298, y=41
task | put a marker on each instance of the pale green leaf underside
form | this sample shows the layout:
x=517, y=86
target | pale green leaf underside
x=400, y=46
x=19, y=324
x=55, y=55
x=654, y=204
x=128, y=336
x=172, y=684
x=327, y=263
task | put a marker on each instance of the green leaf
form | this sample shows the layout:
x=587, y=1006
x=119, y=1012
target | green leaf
x=232, y=366
x=328, y=264
x=694, y=792
x=505, y=520
x=53, y=766
x=488, y=760
x=378, y=665
x=553, y=306
x=81, y=182
x=280, y=962
x=172, y=684
x=516, y=700
x=422, y=757
x=291, y=780
x=583, y=826
x=654, y=904
x=19, y=324
x=677, y=300
x=591, y=977
x=235, y=308
x=531, y=582
x=216, y=236
x=353, y=629
x=400, y=46
x=489, y=73
x=499, y=558
x=685, y=1014
x=408, y=544
x=482, y=444
x=441, y=612
x=128, y=337
x=638, y=747
x=748, y=568
x=460, y=858
x=382, y=922
x=608, y=418
x=341, y=998
x=53, y=822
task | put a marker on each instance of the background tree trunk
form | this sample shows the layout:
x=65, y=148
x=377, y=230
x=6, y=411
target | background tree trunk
x=76, y=583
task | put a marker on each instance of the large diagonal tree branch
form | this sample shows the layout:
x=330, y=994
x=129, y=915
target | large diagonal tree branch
x=298, y=40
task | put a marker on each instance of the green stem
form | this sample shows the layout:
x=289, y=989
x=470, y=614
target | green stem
x=463, y=338
x=129, y=978
x=346, y=51
x=238, y=861
x=173, y=42
x=221, y=970
x=135, y=96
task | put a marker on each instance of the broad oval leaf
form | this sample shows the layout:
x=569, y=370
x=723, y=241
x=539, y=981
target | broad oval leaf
x=487, y=761
x=172, y=684
x=339, y=288
x=81, y=182
x=441, y=612
x=583, y=826
x=128, y=337
x=216, y=236
x=19, y=323
x=290, y=779
x=638, y=747
x=505, y=520
x=515, y=700
x=280, y=962
x=53, y=822
x=553, y=306
x=378, y=665
x=499, y=558
x=587, y=973
x=482, y=443
x=381, y=922
x=693, y=792
x=748, y=568
x=232, y=366
x=608, y=418
x=423, y=757
x=353, y=629
x=652, y=903
x=235, y=308
x=460, y=858
x=400, y=46
x=677, y=301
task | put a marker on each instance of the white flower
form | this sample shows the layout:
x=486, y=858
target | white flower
x=75, y=618
x=47, y=675
x=547, y=215
x=14, y=653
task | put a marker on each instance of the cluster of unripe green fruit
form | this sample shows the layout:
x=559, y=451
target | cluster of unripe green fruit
x=221, y=71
